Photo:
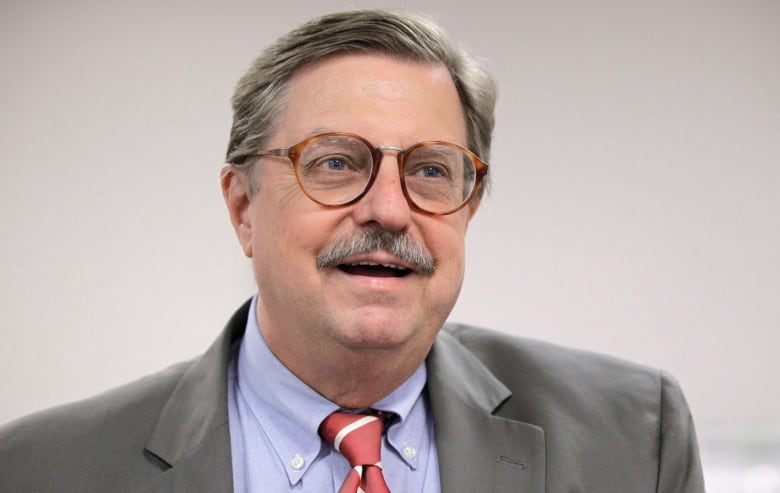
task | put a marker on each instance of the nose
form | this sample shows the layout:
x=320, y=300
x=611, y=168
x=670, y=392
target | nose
x=384, y=204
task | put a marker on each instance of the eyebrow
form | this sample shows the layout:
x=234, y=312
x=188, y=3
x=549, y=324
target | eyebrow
x=318, y=131
x=325, y=130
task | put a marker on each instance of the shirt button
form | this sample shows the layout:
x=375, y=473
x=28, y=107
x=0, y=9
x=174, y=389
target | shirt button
x=297, y=462
x=410, y=452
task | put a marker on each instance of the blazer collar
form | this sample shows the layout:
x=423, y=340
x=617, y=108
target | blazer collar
x=478, y=450
x=192, y=435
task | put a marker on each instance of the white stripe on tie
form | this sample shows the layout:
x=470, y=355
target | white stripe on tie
x=347, y=429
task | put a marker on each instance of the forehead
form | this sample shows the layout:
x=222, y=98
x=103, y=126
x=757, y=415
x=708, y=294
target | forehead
x=375, y=95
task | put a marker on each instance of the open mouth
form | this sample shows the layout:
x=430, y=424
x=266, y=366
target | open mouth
x=373, y=269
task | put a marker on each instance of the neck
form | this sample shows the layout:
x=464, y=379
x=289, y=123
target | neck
x=362, y=384
x=352, y=378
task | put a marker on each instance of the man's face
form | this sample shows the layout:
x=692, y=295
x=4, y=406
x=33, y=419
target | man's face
x=304, y=310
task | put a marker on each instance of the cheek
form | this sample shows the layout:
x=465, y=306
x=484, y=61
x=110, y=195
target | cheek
x=448, y=247
x=280, y=214
x=294, y=234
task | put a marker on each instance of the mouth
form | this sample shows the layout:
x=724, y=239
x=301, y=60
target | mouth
x=374, y=269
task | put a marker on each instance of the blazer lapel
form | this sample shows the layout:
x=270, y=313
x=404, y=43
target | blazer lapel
x=192, y=436
x=208, y=469
x=478, y=450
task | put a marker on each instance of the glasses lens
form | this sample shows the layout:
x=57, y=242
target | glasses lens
x=439, y=177
x=334, y=169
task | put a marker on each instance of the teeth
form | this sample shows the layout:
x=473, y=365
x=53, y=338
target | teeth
x=375, y=264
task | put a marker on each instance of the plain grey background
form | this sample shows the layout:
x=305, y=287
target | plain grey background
x=635, y=208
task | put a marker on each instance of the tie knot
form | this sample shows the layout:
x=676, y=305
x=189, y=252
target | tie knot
x=358, y=437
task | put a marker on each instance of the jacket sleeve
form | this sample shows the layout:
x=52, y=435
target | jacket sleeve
x=680, y=466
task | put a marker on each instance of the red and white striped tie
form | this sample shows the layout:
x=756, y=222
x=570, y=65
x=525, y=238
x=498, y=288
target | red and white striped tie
x=358, y=437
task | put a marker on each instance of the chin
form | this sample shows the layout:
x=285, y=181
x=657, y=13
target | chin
x=367, y=334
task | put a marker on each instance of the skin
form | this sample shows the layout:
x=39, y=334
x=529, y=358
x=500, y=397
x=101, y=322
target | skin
x=352, y=338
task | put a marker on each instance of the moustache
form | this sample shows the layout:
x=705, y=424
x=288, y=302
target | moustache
x=365, y=241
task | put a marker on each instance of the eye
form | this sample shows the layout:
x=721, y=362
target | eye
x=331, y=162
x=428, y=170
x=431, y=171
x=334, y=163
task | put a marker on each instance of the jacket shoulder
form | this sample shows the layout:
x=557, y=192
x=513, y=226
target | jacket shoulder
x=512, y=358
x=599, y=413
x=92, y=443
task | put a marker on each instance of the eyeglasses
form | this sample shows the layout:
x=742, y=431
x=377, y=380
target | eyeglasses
x=337, y=169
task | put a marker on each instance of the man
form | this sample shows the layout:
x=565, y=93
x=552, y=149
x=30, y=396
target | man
x=356, y=161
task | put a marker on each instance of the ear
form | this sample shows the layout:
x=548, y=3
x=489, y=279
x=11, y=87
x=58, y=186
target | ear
x=235, y=193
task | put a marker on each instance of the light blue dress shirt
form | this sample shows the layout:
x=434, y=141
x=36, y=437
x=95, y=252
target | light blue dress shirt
x=274, y=418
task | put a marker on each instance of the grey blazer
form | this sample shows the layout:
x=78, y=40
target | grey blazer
x=510, y=414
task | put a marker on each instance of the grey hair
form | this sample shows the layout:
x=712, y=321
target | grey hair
x=260, y=96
